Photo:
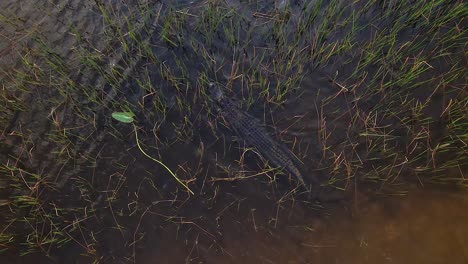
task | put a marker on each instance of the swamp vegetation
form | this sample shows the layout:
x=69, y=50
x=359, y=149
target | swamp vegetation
x=370, y=96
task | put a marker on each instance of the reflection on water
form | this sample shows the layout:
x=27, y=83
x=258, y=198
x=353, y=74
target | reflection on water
x=426, y=226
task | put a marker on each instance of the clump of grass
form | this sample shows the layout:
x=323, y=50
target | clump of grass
x=394, y=68
x=38, y=222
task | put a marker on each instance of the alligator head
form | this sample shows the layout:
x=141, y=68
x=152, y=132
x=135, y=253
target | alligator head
x=214, y=90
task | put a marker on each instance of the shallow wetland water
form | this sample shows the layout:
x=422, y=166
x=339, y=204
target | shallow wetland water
x=369, y=97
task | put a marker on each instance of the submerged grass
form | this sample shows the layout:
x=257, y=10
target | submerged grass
x=395, y=109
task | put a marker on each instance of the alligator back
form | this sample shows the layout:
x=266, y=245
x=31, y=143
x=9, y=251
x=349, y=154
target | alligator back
x=254, y=133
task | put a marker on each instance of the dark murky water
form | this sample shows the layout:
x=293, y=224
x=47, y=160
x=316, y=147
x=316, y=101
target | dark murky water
x=423, y=227
x=139, y=213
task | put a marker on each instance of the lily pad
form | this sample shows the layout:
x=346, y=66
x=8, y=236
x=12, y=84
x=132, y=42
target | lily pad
x=125, y=117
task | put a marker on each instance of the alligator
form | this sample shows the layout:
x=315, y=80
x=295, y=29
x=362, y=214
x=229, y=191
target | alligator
x=253, y=132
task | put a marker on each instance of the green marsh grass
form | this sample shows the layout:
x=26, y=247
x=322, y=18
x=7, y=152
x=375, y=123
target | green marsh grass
x=395, y=109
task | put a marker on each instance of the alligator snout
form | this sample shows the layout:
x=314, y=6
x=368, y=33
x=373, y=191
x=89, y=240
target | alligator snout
x=214, y=90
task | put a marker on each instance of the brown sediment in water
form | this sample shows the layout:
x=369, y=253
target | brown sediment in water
x=426, y=226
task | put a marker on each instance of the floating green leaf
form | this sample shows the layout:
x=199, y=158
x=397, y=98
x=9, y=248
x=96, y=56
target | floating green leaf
x=125, y=117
